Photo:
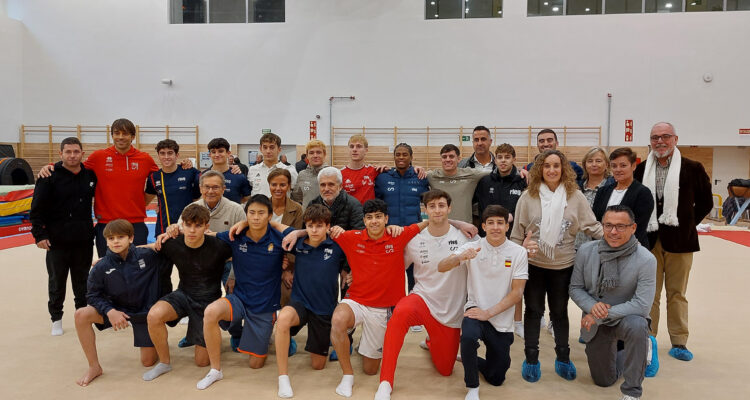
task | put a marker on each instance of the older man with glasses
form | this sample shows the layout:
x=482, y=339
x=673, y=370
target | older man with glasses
x=682, y=194
x=613, y=283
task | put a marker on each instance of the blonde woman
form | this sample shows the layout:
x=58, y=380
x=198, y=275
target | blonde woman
x=596, y=174
x=551, y=212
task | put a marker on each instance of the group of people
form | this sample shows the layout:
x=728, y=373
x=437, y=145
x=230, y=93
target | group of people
x=343, y=249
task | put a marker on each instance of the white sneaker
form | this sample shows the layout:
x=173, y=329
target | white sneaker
x=626, y=397
x=518, y=328
x=423, y=344
x=184, y=320
x=416, y=328
x=57, y=329
x=212, y=376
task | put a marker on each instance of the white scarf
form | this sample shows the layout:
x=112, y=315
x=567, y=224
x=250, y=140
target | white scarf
x=671, y=190
x=553, y=207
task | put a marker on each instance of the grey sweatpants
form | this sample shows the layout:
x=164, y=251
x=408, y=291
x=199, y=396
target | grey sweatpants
x=607, y=364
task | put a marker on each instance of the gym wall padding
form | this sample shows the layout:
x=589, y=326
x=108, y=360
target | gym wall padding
x=15, y=171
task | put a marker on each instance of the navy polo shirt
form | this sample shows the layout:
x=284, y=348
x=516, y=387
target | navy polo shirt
x=181, y=187
x=257, y=269
x=316, y=271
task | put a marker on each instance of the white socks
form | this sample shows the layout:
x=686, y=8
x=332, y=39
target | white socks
x=155, y=372
x=212, y=376
x=384, y=391
x=285, y=387
x=57, y=328
x=650, y=352
x=184, y=320
x=345, y=387
x=472, y=394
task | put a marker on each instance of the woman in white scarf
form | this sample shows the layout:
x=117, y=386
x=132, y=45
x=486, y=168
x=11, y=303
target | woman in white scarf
x=551, y=212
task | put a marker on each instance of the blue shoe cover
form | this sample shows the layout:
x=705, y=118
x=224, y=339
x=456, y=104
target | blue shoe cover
x=184, y=343
x=681, y=354
x=653, y=367
x=565, y=369
x=531, y=372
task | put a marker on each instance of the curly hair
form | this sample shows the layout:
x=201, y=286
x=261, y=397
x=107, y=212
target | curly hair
x=567, y=176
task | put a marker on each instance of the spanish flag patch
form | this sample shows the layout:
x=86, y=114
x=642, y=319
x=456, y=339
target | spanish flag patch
x=507, y=263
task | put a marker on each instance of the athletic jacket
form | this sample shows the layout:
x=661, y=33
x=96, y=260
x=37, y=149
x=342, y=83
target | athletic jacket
x=61, y=207
x=500, y=190
x=122, y=178
x=130, y=285
x=402, y=194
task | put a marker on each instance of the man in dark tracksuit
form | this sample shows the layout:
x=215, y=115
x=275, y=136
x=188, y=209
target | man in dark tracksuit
x=503, y=186
x=61, y=224
x=122, y=287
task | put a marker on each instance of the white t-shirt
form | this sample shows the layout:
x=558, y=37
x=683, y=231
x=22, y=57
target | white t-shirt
x=258, y=177
x=277, y=217
x=443, y=292
x=616, y=197
x=490, y=275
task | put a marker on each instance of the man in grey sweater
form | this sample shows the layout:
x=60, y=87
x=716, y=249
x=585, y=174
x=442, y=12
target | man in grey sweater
x=613, y=282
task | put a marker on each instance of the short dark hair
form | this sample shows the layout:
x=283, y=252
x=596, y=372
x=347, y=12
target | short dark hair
x=260, y=199
x=434, y=194
x=168, y=144
x=624, y=151
x=317, y=213
x=196, y=214
x=546, y=131
x=448, y=148
x=506, y=148
x=70, y=140
x=270, y=137
x=218, y=143
x=118, y=227
x=123, y=125
x=480, y=128
x=404, y=145
x=280, y=171
x=375, y=205
x=494, y=211
x=617, y=208
x=303, y=156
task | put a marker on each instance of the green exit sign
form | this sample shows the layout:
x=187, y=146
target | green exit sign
x=266, y=131
x=466, y=138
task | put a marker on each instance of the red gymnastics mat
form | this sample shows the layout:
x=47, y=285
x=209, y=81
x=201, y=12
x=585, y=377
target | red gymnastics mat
x=739, y=237
x=16, y=240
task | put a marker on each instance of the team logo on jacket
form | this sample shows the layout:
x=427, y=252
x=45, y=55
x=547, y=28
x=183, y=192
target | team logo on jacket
x=91, y=184
x=270, y=247
x=492, y=190
x=134, y=165
x=141, y=264
x=243, y=247
x=515, y=192
x=108, y=160
x=367, y=181
x=327, y=253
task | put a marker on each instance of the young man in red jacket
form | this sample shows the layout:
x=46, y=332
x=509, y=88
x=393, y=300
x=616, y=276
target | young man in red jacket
x=121, y=171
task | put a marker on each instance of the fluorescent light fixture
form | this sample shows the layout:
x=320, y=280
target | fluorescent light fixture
x=546, y=3
x=668, y=5
x=555, y=9
x=588, y=9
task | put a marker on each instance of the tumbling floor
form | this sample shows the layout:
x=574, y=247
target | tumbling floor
x=37, y=365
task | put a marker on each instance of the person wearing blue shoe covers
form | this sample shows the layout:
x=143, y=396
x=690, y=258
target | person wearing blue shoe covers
x=613, y=282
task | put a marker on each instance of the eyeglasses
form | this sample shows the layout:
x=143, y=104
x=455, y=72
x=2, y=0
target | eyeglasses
x=212, y=188
x=618, y=227
x=664, y=138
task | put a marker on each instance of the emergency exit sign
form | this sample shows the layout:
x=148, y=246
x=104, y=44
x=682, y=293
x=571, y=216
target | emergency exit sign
x=466, y=138
x=266, y=131
x=744, y=131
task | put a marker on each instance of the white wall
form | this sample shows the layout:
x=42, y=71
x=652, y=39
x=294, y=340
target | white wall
x=10, y=76
x=92, y=62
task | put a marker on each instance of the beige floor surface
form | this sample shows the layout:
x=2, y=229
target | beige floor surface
x=36, y=365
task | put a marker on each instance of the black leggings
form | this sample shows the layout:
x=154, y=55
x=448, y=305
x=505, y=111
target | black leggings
x=554, y=284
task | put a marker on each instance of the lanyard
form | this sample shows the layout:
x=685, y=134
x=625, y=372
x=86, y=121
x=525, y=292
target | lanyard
x=164, y=194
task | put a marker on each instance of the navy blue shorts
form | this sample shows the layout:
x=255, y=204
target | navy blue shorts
x=141, y=337
x=257, y=330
